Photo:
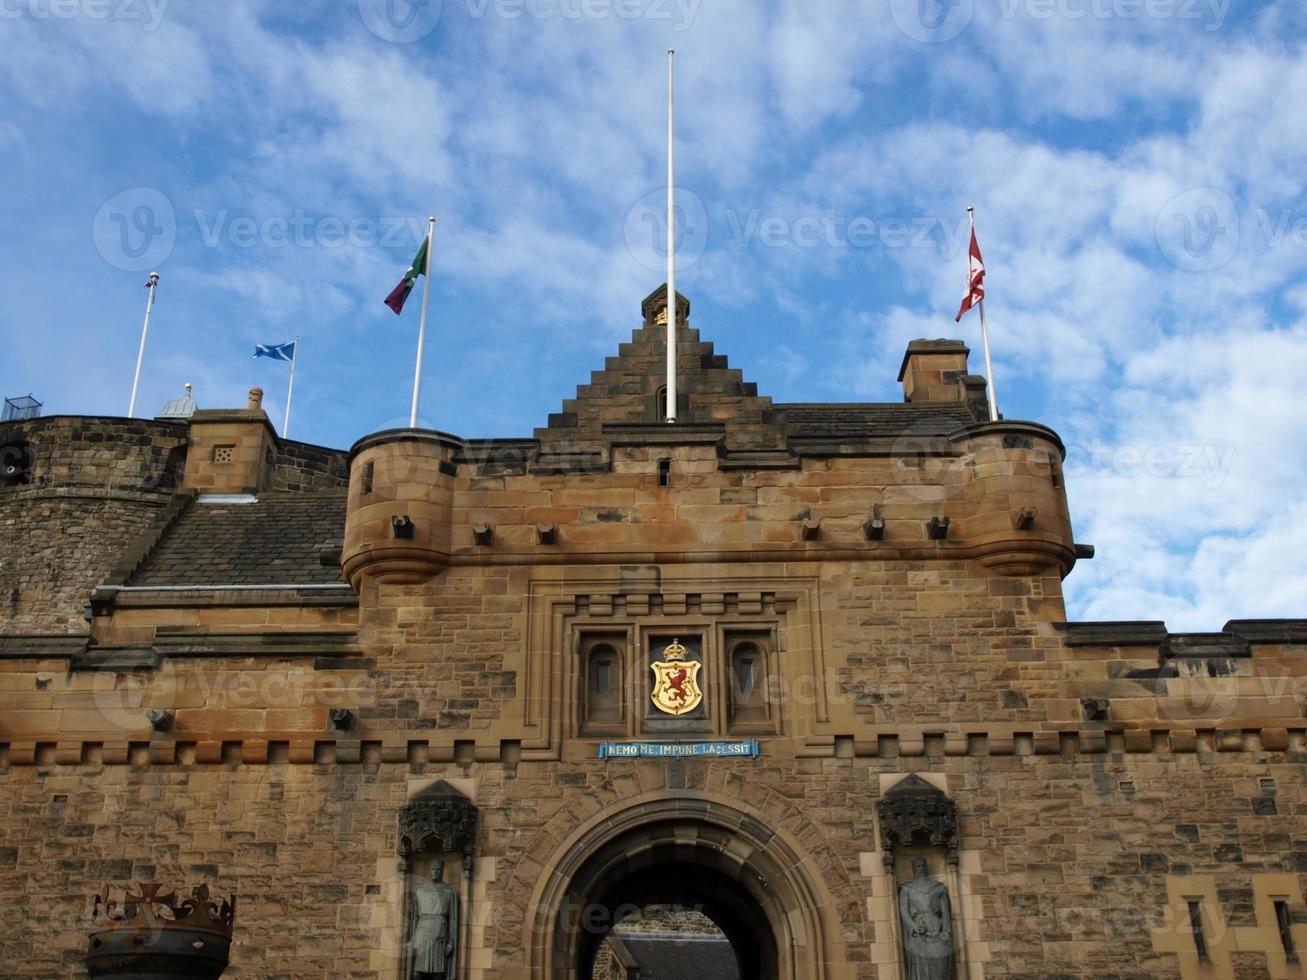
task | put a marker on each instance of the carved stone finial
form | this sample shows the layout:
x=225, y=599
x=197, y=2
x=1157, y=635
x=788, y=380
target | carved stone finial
x=654, y=306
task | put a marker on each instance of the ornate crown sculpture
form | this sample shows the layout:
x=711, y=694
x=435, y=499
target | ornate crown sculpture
x=149, y=932
x=675, y=651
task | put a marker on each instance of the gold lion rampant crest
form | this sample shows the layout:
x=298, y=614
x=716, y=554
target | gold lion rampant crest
x=676, y=681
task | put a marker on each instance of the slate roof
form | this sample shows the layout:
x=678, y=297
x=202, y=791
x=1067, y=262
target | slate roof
x=869, y=421
x=680, y=958
x=275, y=541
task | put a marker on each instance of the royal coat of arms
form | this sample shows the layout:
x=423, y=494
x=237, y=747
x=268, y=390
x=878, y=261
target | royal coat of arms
x=676, y=681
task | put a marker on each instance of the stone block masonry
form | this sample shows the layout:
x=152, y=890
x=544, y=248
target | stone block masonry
x=248, y=689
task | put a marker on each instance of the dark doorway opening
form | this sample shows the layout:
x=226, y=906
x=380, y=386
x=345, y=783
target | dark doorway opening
x=689, y=852
x=666, y=941
x=676, y=912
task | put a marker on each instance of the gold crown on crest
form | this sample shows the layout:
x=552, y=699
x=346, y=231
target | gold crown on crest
x=674, y=651
x=151, y=908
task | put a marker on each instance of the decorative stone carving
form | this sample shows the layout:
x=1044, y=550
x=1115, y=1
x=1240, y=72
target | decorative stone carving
x=150, y=935
x=439, y=819
x=915, y=807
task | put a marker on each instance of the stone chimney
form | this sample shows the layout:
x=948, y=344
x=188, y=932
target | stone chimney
x=231, y=450
x=935, y=371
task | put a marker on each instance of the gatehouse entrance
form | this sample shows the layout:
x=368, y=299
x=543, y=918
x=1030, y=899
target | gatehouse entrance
x=682, y=853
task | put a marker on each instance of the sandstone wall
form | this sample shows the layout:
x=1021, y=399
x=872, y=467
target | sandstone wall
x=87, y=488
x=308, y=468
x=1105, y=778
x=1066, y=873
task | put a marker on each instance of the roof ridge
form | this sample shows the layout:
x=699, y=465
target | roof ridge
x=144, y=546
x=300, y=494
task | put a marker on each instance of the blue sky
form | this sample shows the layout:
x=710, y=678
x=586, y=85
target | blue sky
x=1136, y=166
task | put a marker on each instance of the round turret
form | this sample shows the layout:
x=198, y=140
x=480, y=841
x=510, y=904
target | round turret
x=397, y=525
x=1015, y=510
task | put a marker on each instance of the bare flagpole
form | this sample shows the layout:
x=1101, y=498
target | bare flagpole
x=671, y=250
x=152, y=285
x=984, y=330
x=290, y=388
x=422, y=323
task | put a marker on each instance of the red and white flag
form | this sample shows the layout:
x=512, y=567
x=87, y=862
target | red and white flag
x=975, y=279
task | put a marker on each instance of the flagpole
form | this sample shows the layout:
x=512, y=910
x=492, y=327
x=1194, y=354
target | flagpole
x=422, y=324
x=290, y=388
x=984, y=331
x=671, y=249
x=152, y=285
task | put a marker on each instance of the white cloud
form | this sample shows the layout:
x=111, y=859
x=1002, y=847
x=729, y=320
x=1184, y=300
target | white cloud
x=1200, y=484
x=532, y=138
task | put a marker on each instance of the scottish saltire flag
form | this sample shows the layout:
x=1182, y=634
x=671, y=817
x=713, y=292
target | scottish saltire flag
x=282, y=352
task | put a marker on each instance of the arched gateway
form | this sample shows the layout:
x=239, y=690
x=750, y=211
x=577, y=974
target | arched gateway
x=697, y=852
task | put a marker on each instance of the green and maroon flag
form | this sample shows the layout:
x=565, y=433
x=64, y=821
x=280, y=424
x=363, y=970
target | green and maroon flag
x=400, y=293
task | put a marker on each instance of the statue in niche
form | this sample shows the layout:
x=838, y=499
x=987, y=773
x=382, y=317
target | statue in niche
x=433, y=927
x=926, y=918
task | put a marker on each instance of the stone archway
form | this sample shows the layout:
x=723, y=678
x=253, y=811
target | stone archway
x=702, y=853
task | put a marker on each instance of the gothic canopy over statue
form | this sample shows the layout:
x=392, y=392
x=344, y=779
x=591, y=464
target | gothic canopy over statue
x=915, y=807
x=440, y=818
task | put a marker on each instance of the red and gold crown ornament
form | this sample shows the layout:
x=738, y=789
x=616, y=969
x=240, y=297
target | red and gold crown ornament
x=148, y=932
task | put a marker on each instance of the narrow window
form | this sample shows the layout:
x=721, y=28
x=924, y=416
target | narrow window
x=664, y=472
x=367, y=477
x=662, y=404
x=1196, y=927
x=1283, y=922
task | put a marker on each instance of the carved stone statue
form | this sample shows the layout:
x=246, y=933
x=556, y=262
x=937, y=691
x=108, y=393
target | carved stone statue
x=433, y=927
x=927, y=921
